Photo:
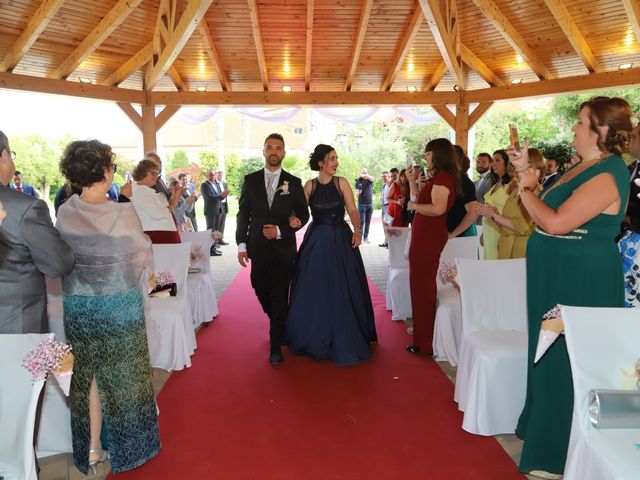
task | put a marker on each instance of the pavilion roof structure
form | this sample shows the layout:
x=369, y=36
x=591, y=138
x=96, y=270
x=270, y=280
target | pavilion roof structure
x=327, y=52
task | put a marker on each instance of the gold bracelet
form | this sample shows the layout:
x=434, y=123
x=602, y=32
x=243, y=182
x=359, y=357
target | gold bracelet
x=524, y=188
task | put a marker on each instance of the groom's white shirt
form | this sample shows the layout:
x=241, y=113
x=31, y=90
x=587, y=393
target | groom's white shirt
x=242, y=247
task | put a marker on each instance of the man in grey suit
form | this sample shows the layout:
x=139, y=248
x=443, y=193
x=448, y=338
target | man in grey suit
x=483, y=167
x=223, y=190
x=213, y=208
x=30, y=247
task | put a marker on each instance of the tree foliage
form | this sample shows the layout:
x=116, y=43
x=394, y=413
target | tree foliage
x=38, y=160
x=179, y=160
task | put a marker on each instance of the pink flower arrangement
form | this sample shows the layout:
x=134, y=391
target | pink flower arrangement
x=164, y=278
x=216, y=235
x=553, y=313
x=46, y=358
x=447, y=271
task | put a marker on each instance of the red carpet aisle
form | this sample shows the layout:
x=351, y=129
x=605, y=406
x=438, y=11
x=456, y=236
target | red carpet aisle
x=234, y=416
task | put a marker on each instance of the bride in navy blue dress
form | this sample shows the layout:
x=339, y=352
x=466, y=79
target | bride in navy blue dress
x=341, y=325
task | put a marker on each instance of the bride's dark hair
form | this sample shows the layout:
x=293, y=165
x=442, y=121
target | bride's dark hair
x=318, y=155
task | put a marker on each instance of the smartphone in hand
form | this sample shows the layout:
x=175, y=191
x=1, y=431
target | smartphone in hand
x=409, y=161
x=513, y=136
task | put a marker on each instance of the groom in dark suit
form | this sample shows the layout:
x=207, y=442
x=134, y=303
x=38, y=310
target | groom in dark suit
x=268, y=198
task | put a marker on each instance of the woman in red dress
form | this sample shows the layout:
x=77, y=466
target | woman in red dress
x=429, y=234
x=397, y=197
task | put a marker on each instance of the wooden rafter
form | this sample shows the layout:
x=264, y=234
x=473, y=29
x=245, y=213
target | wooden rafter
x=130, y=66
x=573, y=34
x=214, y=55
x=303, y=98
x=131, y=112
x=479, y=67
x=478, y=112
x=99, y=34
x=309, y=45
x=191, y=17
x=74, y=89
x=445, y=31
x=435, y=78
x=166, y=114
x=403, y=48
x=511, y=35
x=165, y=25
x=446, y=114
x=593, y=81
x=257, y=38
x=632, y=7
x=46, y=11
x=365, y=13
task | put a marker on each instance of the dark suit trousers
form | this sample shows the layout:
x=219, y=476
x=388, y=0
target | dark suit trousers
x=270, y=278
x=194, y=222
x=213, y=221
x=222, y=219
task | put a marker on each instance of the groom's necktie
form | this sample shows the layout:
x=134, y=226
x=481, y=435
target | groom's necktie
x=271, y=191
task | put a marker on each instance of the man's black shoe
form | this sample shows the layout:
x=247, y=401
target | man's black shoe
x=276, y=357
x=222, y=242
x=382, y=245
x=215, y=253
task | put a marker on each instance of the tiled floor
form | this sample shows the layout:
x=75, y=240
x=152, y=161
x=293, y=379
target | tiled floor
x=225, y=268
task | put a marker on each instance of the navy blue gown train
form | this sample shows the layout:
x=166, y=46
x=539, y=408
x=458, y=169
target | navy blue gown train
x=330, y=313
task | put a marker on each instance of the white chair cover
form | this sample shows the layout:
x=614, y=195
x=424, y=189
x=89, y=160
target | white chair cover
x=601, y=343
x=447, y=330
x=201, y=289
x=492, y=371
x=54, y=429
x=18, y=403
x=172, y=316
x=398, y=289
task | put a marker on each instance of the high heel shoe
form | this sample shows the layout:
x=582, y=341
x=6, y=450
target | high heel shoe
x=103, y=455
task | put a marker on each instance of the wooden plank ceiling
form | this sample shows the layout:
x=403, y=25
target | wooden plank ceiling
x=491, y=48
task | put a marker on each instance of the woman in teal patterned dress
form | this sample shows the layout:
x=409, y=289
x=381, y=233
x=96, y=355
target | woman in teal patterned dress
x=572, y=259
x=112, y=402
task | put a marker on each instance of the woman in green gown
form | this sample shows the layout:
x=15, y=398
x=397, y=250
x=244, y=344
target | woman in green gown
x=572, y=259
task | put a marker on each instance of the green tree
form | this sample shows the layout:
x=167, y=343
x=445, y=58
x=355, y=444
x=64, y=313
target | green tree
x=179, y=160
x=38, y=159
x=208, y=161
x=236, y=171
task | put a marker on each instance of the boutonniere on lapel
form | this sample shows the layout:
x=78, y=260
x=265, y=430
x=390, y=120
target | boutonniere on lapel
x=284, y=188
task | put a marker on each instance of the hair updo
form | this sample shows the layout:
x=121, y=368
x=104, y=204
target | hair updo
x=614, y=113
x=318, y=155
x=84, y=162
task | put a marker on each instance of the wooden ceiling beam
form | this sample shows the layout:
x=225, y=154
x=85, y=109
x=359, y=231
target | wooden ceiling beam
x=445, y=31
x=75, y=89
x=303, y=98
x=191, y=17
x=632, y=7
x=478, y=112
x=479, y=67
x=511, y=35
x=433, y=82
x=39, y=21
x=403, y=48
x=257, y=38
x=365, y=13
x=214, y=55
x=165, y=115
x=99, y=34
x=131, y=112
x=572, y=32
x=309, y=45
x=446, y=114
x=557, y=86
x=134, y=63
